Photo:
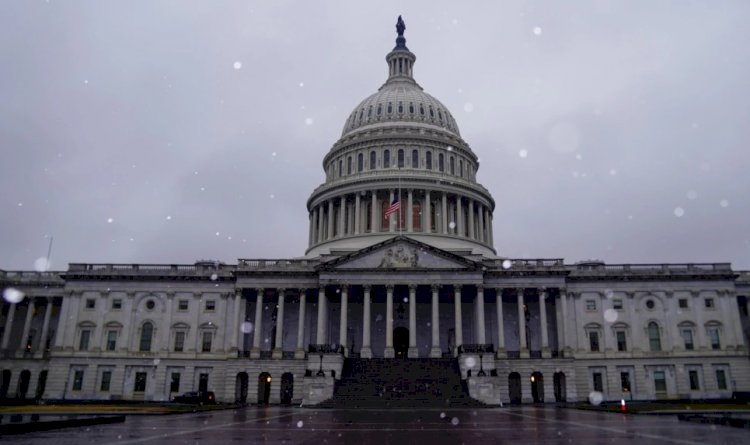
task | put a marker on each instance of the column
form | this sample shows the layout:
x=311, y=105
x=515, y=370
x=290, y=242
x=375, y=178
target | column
x=457, y=315
x=444, y=214
x=331, y=219
x=342, y=216
x=459, y=217
x=322, y=334
x=391, y=228
x=413, y=351
x=562, y=341
x=409, y=212
x=490, y=235
x=300, y=351
x=343, y=320
x=45, y=325
x=374, y=224
x=428, y=213
x=481, y=336
x=319, y=210
x=389, y=352
x=234, y=340
x=471, y=218
x=366, y=351
x=257, y=331
x=480, y=214
x=500, y=324
x=310, y=218
x=435, y=351
x=60, y=332
x=278, y=350
x=27, y=324
x=357, y=214
x=168, y=323
x=521, y=324
x=9, y=326
x=543, y=319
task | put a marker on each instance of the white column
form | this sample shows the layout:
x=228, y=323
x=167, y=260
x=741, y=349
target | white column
x=428, y=213
x=490, y=235
x=45, y=325
x=322, y=332
x=481, y=335
x=459, y=217
x=235, y=331
x=168, y=323
x=413, y=352
x=457, y=315
x=343, y=320
x=471, y=218
x=366, y=351
x=319, y=226
x=278, y=351
x=342, y=216
x=300, y=351
x=500, y=324
x=410, y=212
x=257, y=331
x=391, y=227
x=564, y=314
x=521, y=324
x=311, y=219
x=27, y=324
x=436, y=351
x=543, y=320
x=331, y=219
x=357, y=214
x=374, y=224
x=389, y=352
x=9, y=325
x=60, y=331
x=480, y=214
x=444, y=216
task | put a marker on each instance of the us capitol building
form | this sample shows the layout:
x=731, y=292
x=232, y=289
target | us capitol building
x=400, y=273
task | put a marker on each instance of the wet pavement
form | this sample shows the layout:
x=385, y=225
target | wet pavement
x=545, y=425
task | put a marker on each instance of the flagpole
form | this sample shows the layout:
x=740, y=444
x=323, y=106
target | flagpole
x=400, y=203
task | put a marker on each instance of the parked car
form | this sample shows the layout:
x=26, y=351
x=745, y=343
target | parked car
x=195, y=398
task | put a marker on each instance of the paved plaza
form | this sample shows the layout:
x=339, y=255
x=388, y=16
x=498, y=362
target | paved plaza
x=546, y=425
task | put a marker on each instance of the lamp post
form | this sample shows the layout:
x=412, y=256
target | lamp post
x=481, y=372
x=320, y=370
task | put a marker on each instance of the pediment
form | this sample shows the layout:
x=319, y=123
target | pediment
x=401, y=253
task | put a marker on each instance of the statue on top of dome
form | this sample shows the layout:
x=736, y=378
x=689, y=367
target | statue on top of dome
x=400, y=26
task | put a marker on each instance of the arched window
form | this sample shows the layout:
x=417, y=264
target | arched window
x=461, y=168
x=416, y=216
x=421, y=109
x=441, y=162
x=411, y=108
x=654, y=340
x=361, y=113
x=390, y=108
x=400, y=108
x=373, y=158
x=147, y=333
x=452, y=165
x=349, y=165
x=432, y=113
x=428, y=160
x=440, y=115
x=360, y=162
x=400, y=158
x=414, y=159
x=369, y=112
x=380, y=109
x=387, y=159
x=341, y=167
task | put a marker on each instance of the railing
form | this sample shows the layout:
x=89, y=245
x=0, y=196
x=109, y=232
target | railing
x=31, y=277
x=276, y=264
x=152, y=269
x=655, y=269
x=325, y=349
x=476, y=348
x=530, y=263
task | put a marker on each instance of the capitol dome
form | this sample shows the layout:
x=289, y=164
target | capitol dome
x=400, y=167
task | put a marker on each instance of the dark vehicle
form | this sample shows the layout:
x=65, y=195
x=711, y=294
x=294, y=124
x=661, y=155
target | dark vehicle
x=195, y=398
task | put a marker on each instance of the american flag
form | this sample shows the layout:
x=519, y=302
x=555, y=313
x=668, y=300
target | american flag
x=393, y=208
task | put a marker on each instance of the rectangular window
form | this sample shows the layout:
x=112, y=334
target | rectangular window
x=625, y=381
x=660, y=381
x=210, y=305
x=694, y=382
x=179, y=341
x=203, y=383
x=683, y=303
x=721, y=379
x=206, y=344
x=594, y=341
x=83, y=343
x=174, y=382
x=709, y=302
x=621, y=342
x=116, y=304
x=687, y=337
x=182, y=305
x=590, y=305
x=617, y=303
x=106, y=379
x=111, y=340
x=598, y=382
x=140, y=382
x=78, y=380
x=713, y=335
x=90, y=303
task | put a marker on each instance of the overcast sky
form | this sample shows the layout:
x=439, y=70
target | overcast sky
x=170, y=131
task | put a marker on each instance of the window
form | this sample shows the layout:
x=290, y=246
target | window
x=713, y=337
x=341, y=167
x=709, y=302
x=182, y=305
x=179, y=341
x=111, y=340
x=77, y=379
x=203, y=382
x=401, y=159
x=360, y=162
x=421, y=109
x=622, y=344
x=654, y=340
x=461, y=168
x=660, y=381
x=400, y=107
x=625, y=381
x=380, y=109
x=590, y=305
x=150, y=305
x=210, y=305
x=598, y=381
x=452, y=165
x=390, y=107
x=649, y=304
x=594, y=341
x=206, y=342
x=140, y=382
x=106, y=379
x=695, y=384
x=147, y=333
x=411, y=108
x=428, y=160
x=373, y=159
x=441, y=162
x=83, y=342
x=617, y=304
x=683, y=303
x=116, y=304
x=721, y=379
x=387, y=159
x=349, y=165
x=414, y=159
x=174, y=382
x=687, y=337
x=90, y=303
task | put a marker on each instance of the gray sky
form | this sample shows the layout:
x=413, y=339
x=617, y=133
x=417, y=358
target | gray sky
x=609, y=130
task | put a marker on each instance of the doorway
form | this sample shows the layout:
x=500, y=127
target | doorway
x=264, y=388
x=401, y=342
x=23, y=383
x=240, y=391
x=537, y=387
x=287, y=388
x=514, y=388
x=558, y=382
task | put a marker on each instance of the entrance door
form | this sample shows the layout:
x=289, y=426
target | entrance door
x=264, y=388
x=537, y=387
x=514, y=388
x=240, y=391
x=401, y=342
x=287, y=388
x=558, y=381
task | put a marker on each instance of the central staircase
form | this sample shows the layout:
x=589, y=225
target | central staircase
x=381, y=382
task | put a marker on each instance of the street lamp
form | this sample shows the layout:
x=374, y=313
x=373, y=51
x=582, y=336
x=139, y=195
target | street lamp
x=320, y=371
x=481, y=372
